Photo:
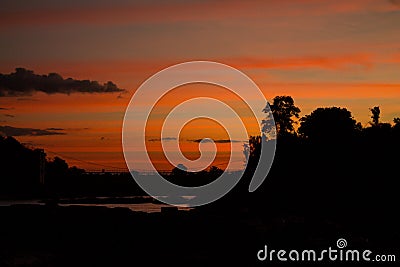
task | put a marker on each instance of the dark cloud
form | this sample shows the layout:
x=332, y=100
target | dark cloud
x=221, y=141
x=121, y=95
x=25, y=82
x=164, y=139
x=26, y=99
x=3, y=108
x=9, y=115
x=395, y=2
x=70, y=129
x=14, y=131
x=55, y=129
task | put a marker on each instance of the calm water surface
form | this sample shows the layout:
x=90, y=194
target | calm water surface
x=143, y=207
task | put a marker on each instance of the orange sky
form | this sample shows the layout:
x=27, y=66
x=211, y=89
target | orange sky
x=323, y=53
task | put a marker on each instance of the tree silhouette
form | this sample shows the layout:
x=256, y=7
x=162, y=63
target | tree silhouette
x=375, y=115
x=56, y=171
x=254, y=147
x=283, y=111
x=379, y=130
x=329, y=124
x=396, y=123
x=179, y=170
x=215, y=171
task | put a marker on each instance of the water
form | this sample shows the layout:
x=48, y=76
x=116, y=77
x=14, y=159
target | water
x=143, y=207
x=148, y=207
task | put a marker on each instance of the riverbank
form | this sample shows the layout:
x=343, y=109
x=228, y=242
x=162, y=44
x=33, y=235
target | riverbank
x=134, y=203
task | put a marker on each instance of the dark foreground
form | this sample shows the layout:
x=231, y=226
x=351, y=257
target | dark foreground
x=33, y=235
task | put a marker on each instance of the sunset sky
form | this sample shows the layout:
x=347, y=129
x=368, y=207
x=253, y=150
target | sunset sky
x=322, y=53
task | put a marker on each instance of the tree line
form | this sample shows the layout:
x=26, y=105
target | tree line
x=323, y=124
x=327, y=160
x=323, y=151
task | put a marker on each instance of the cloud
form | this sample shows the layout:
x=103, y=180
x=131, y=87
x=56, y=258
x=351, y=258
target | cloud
x=175, y=11
x=14, y=131
x=323, y=62
x=164, y=139
x=220, y=141
x=9, y=115
x=77, y=129
x=4, y=108
x=25, y=82
x=205, y=140
x=26, y=99
x=307, y=61
x=55, y=129
x=395, y=2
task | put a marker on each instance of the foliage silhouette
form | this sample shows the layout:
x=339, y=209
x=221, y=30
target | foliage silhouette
x=331, y=124
x=329, y=155
x=283, y=111
x=180, y=176
x=375, y=115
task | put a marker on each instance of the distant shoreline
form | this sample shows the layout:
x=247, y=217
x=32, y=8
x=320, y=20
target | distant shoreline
x=134, y=203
